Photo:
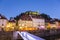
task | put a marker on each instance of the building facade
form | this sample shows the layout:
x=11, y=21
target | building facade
x=11, y=25
x=3, y=21
x=31, y=19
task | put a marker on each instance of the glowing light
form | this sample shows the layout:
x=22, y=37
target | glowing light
x=22, y=24
x=9, y=26
x=20, y=27
x=27, y=28
x=42, y=27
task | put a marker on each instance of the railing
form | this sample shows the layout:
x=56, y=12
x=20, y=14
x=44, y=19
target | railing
x=28, y=36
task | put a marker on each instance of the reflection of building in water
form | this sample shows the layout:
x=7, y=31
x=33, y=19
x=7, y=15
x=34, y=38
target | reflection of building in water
x=31, y=19
x=3, y=21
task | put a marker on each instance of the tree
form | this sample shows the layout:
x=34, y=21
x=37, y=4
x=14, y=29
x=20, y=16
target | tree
x=45, y=16
x=18, y=17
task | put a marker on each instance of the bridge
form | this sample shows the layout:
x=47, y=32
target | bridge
x=26, y=36
x=44, y=35
x=30, y=35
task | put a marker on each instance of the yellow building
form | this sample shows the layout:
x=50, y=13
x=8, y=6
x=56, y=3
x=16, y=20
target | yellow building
x=10, y=26
x=52, y=25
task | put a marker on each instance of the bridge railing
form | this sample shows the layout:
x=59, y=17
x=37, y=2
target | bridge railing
x=28, y=36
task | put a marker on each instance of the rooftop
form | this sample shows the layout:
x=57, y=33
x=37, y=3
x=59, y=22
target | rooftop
x=2, y=16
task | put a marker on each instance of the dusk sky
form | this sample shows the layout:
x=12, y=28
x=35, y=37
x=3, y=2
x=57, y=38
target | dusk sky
x=12, y=8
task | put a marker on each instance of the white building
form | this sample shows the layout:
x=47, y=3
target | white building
x=3, y=21
x=38, y=21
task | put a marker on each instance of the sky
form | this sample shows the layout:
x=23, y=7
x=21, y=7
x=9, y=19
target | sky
x=12, y=8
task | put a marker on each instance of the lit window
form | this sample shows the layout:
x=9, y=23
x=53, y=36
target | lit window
x=22, y=24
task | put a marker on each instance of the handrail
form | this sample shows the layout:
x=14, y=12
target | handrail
x=28, y=36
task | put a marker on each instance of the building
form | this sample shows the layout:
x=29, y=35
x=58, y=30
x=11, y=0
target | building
x=54, y=24
x=3, y=21
x=38, y=21
x=25, y=21
x=32, y=20
x=11, y=25
x=57, y=23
